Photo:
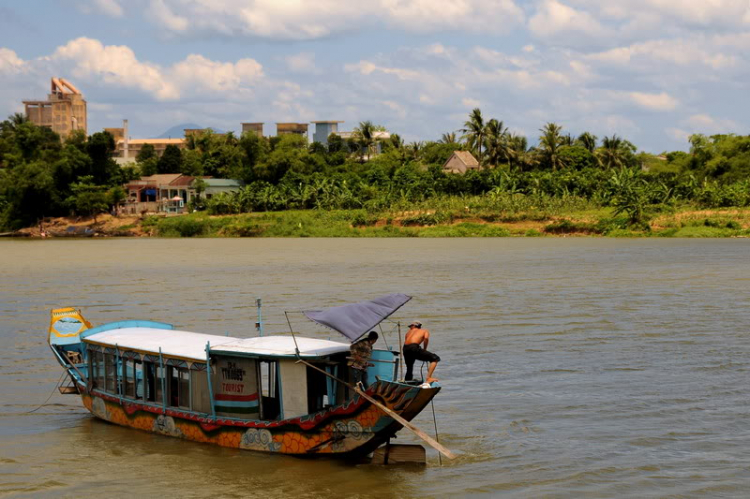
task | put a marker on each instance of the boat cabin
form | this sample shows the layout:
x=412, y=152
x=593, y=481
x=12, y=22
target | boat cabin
x=244, y=378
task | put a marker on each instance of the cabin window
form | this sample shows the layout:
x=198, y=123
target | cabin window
x=97, y=368
x=178, y=382
x=153, y=384
x=133, y=378
x=110, y=373
x=317, y=389
x=200, y=401
x=270, y=407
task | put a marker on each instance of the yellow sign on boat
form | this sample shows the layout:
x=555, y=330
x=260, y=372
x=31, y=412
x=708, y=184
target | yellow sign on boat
x=67, y=322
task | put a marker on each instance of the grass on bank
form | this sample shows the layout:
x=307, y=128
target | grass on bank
x=449, y=221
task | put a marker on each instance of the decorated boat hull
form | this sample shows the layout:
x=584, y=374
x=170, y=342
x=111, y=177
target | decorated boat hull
x=355, y=428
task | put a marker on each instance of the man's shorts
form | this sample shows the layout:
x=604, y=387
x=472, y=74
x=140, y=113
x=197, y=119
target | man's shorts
x=414, y=351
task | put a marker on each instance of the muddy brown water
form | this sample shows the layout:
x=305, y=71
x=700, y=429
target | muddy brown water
x=571, y=367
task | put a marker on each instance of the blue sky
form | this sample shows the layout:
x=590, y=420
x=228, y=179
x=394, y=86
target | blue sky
x=652, y=71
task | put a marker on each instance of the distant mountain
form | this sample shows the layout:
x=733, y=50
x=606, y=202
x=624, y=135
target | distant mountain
x=178, y=131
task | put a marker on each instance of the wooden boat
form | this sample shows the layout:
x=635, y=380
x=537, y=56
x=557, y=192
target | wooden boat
x=279, y=394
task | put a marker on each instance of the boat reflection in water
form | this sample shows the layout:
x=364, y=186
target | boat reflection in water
x=280, y=394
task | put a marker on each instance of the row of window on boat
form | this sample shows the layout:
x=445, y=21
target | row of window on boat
x=242, y=388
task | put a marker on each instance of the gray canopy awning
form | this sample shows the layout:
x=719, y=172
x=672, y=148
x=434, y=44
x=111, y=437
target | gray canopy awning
x=356, y=319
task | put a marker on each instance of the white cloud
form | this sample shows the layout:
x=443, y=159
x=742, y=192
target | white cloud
x=704, y=13
x=704, y=123
x=396, y=108
x=701, y=51
x=435, y=15
x=89, y=59
x=297, y=20
x=161, y=13
x=301, y=63
x=555, y=18
x=472, y=103
x=678, y=134
x=9, y=61
x=110, y=8
x=654, y=102
x=367, y=68
x=116, y=65
x=214, y=76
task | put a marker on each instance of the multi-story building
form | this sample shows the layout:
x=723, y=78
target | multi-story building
x=64, y=111
x=253, y=127
x=323, y=129
x=289, y=128
x=127, y=149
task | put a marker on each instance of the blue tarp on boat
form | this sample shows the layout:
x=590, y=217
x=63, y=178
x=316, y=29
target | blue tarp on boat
x=357, y=319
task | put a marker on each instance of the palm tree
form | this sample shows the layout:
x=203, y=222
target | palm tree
x=520, y=154
x=18, y=118
x=496, y=142
x=415, y=150
x=612, y=153
x=449, y=138
x=396, y=141
x=550, y=143
x=567, y=140
x=13, y=121
x=587, y=140
x=474, y=132
x=364, y=135
x=230, y=139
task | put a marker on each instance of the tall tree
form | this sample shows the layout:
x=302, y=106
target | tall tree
x=474, y=132
x=520, y=154
x=613, y=153
x=449, y=138
x=170, y=161
x=496, y=142
x=365, y=135
x=587, y=140
x=550, y=143
x=147, y=151
x=101, y=147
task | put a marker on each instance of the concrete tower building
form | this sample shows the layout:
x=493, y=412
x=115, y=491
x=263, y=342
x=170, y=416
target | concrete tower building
x=323, y=129
x=64, y=110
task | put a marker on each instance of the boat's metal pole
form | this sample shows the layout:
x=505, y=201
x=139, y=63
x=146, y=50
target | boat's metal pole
x=120, y=378
x=163, y=383
x=400, y=352
x=296, y=347
x=260, y=316
x=210, y=386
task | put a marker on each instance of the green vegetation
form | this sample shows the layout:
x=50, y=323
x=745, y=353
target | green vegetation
x=563, y=186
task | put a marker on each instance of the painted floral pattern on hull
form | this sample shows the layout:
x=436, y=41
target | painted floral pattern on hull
x=340, y=433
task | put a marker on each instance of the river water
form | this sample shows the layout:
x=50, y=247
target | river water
x=571, y=367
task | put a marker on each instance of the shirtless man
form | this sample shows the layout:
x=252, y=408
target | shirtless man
x=412, y=351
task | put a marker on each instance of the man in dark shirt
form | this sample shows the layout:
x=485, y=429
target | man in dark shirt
x=413, y=351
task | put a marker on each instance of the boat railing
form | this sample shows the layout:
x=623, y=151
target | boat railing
x=125, y=324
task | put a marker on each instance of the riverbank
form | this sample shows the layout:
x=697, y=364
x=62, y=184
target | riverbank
x=731, y=222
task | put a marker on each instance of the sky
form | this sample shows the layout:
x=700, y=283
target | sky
x=651, y=71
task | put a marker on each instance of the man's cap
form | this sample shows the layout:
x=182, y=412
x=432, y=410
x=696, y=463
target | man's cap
x=415, y=323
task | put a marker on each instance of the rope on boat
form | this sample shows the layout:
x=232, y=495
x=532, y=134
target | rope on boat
x=50, y=395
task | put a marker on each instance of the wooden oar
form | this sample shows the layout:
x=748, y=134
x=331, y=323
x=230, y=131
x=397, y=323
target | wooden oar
x=424, y=436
